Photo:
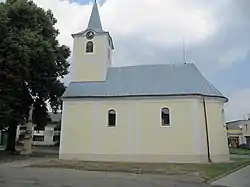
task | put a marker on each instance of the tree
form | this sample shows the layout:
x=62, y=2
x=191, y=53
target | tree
x=32, y=64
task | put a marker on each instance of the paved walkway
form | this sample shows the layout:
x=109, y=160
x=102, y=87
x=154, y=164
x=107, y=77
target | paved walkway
x=22, y=163
x=240, y=178
x=15, y=174
x=34, y=177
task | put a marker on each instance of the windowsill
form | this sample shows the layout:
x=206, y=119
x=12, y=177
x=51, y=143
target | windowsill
x=165, y=126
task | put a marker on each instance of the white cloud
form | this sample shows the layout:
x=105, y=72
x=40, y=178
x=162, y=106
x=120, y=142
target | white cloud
x=157, y=21
x=151, y=31
x=238, y=105
x=236, y=53
x=158, y=26
x=71, y=17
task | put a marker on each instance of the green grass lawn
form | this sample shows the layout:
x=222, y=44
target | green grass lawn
x=205, y=171
x=210, y=171
x=239, y=151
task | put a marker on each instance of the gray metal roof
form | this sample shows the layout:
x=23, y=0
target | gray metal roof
x=235, y=125
x=146, y=80
x=95, y=21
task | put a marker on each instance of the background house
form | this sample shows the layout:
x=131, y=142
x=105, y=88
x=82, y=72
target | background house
x=44, y=136
x=238, y=132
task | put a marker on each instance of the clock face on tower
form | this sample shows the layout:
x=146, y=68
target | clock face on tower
x=90, y=35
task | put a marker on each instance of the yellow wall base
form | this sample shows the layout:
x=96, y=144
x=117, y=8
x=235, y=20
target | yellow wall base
x=145, y=158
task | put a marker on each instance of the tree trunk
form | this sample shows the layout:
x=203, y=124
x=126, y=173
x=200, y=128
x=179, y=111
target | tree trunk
x=11, y=142
x=27, y=144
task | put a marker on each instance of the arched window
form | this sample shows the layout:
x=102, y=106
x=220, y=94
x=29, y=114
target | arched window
x=112, y=118
x=89, y=47
x=165, y=117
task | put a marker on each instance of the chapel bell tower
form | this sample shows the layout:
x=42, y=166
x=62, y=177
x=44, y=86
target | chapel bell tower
x=92, y=51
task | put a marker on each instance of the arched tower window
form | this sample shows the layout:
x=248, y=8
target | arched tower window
x=89, y=47
x=165, y=117
x=112, y=118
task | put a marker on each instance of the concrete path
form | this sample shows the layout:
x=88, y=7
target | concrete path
x=240, y=178
x=22, y=163
x=34, y=177
x=15, y=174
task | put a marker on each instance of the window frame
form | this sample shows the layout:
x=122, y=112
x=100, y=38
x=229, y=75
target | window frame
x=169, y=116
x=56, y=138
x=39, y=128
x=233, y=138
x=41, y=136
x=109, y=113
x=86, y=47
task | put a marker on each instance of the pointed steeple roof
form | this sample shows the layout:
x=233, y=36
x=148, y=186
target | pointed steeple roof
x=95, y=24
x=95, y=21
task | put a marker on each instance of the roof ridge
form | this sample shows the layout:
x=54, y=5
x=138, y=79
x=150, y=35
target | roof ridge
x=162, y=64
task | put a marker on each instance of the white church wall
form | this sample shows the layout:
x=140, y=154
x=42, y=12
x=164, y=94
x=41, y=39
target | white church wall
x=138, y=134
x=217, y=130
x=90, y=66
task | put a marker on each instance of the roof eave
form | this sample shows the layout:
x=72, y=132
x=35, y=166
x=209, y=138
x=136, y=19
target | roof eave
x=225, y=99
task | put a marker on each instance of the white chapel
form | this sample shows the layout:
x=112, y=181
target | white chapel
x=146, y=113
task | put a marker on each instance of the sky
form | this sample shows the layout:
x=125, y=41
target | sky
x=216, y=33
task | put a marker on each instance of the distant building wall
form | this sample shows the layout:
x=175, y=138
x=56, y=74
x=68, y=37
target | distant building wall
x=238, y=132
x=47, y=136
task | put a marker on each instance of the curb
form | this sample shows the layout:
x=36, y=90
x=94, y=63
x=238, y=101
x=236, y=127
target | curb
x=227, y=173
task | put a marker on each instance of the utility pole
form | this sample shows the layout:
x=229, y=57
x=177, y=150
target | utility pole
x=184, y=50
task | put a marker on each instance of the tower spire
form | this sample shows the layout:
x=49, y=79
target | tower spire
x=95, y=21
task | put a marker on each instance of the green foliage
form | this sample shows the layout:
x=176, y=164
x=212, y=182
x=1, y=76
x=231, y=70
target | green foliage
x=32, y=62
x=239, y=151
